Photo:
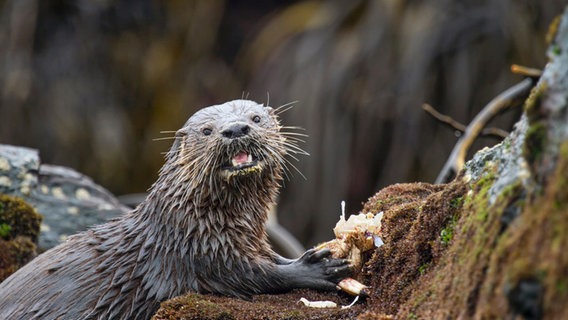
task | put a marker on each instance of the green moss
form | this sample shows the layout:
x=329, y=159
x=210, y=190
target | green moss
x=562, y=287
x=447, y=234
x=533, y=102
x=479, y=200
x=534, y=248
x=470, y=229
x=456, y=282
x=507, y=143
x=510, y=191
x=535, y=142
x=456, y=202
x=560, y=200
x=14, y=254
x=423, y=268
x=412, y=247
x=19, y=217
x=19, y=229
x=553, y=29
x=536, y=134
x=481, y=215
x=5, y=230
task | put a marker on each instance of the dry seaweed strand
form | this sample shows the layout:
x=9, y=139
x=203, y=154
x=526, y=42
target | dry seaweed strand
x=508, y=98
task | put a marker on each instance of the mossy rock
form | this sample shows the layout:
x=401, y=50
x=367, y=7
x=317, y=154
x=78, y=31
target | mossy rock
x=280, y=306
x=19, y=230
x=418, y=219
x=14, y=254
x=17, y=218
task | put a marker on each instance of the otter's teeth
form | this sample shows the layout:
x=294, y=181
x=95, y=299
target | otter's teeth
x=242, y=158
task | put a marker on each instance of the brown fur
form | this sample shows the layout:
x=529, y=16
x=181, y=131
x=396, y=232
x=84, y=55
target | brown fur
x=200, y=229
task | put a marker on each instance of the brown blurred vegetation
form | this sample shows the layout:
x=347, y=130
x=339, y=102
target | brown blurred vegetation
x=91, y=83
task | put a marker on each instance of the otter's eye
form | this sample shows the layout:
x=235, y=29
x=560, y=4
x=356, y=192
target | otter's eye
x=256, y=119
x=206, y=131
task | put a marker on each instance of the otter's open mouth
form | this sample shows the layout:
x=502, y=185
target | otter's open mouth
x=242, y=163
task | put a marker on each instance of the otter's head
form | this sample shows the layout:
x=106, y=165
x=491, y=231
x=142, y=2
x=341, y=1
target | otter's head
x=231, y=144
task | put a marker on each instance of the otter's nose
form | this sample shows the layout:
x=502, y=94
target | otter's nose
x=236, y=130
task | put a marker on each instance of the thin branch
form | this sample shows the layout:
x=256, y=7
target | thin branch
x=458, y=126
x=495, y=132
x=506, y=99
x=443, y=118
x=526, y=71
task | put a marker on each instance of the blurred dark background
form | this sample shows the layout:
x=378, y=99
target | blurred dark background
x=92, y=83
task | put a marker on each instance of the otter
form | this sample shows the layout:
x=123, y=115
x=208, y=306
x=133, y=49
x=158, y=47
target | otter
x=200, y=229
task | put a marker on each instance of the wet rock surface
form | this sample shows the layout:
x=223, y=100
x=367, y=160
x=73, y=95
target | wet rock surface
x=68, y=200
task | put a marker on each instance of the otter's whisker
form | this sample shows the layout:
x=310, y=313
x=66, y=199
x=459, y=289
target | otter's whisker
x=293, y=128
x=295, y=149
x=285, y=107
x=163, y=138
x=294, y=134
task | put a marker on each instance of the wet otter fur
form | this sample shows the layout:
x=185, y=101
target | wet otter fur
x=200, y=229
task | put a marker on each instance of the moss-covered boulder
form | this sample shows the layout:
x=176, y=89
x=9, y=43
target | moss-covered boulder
x=418, y=225
x=19, y=230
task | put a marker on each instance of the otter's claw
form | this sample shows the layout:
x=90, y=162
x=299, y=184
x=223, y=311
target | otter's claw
x=314, y=255
x=338, y=269
x=316, y=269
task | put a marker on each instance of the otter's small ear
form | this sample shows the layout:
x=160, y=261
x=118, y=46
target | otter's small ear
x=270, y=110
x=181, y=133
x=178, y=141
x=176, y=146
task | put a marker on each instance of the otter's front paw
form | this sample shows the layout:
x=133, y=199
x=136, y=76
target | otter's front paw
x=320, y=271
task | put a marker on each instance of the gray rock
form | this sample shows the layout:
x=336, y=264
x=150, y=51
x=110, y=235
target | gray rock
x=68, y=200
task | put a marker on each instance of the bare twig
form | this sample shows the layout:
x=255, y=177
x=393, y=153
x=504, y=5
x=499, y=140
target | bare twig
x=526, y=71
x=443, y=118
x=506, y=99
x=458, y=126
x=495, y=132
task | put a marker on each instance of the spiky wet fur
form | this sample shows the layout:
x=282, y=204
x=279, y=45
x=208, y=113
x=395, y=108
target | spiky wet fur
x=198, y=230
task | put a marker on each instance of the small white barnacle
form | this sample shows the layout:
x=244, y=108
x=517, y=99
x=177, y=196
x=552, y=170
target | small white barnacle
x=29, y=178
x=5, y=181
x=25, y=190
x=4, y=164
x=82, y=194
x=58, y=193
